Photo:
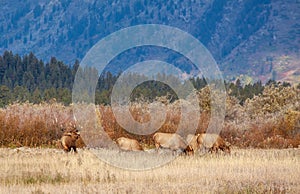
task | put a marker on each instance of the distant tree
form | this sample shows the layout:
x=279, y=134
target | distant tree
x=198, y=82
x=286, y=84
x=271, y=82
x=102, y=97
x=21, y=94
x=36, y=96
x=28, y=81
x=258, y=88
x=49, y=94
x=7, y=81
x=5, y=96
x=64, y=96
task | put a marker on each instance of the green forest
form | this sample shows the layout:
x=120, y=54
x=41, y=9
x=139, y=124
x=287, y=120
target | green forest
x=29, y=79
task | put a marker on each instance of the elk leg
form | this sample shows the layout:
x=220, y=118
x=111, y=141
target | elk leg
x=74, y=148
x=157, y=147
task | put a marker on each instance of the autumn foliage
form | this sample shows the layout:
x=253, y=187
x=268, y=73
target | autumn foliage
x=268, y=120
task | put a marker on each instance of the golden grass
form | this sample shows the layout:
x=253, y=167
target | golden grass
x=27, y=170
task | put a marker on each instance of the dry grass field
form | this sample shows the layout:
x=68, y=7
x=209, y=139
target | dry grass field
x=34, y=170
x=29, y=163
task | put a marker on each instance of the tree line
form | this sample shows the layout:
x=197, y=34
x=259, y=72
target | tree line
x=29, y=79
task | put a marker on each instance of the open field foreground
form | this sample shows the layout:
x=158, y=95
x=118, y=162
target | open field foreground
x=28, y=170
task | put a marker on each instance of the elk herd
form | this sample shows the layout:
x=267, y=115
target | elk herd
x=206, y=142
x=172, y=141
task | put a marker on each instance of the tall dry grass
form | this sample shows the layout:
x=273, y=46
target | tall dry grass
x=141, y=113
x=40, y=125
x=31, y=125
x=26, y=170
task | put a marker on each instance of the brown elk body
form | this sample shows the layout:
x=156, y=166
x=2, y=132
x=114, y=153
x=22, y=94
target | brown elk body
x=192, y=141
x=212, y=142
x=68, y=140
x=129, y=144
x=172, y=141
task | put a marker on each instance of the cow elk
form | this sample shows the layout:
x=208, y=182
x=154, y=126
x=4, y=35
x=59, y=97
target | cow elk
x=213, y=142
x=129, y=144
x=172, y=141
x=192, y=141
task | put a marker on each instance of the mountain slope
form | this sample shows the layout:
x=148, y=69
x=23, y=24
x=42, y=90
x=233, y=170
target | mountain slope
x=260, y=39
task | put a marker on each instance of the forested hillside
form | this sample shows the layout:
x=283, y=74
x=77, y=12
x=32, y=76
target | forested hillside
x=28, y=78
x=257, y=38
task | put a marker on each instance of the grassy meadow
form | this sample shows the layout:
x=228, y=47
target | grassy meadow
x=46, y=170
x=264, y=134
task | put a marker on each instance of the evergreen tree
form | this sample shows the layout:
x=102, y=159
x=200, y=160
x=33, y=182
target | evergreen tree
x=20, y=94
x=36, y=96
x=27, y=78
x=5, y=96
x=28, y=81
x=49, y=94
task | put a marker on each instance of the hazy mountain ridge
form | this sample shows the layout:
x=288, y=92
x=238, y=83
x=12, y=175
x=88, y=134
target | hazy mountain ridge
x=257, y=38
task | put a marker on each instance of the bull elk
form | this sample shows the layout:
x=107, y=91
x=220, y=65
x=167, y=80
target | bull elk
x=68, y=140
x=70, y=135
